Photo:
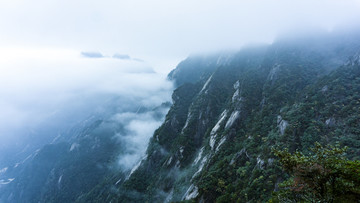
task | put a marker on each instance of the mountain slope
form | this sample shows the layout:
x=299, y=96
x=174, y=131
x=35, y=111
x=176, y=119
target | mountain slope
x=215, y=144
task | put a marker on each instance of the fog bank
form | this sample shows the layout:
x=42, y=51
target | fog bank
x=46, y=92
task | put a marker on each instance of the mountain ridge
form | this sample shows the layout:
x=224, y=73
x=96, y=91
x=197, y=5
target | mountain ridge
x=291, y=73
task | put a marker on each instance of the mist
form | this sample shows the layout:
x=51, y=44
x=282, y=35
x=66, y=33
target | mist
x=45, y=93
x=136, y=138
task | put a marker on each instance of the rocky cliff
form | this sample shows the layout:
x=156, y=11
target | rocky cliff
x=230, y=109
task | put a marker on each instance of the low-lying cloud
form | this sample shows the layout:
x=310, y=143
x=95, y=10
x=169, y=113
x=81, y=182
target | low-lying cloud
x=45, y=91
x=136, y=135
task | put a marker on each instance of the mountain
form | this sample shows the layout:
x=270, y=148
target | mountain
x=229, y=110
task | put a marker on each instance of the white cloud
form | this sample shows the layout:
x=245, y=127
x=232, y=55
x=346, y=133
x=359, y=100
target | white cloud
x=139, y=128
x=42, y=86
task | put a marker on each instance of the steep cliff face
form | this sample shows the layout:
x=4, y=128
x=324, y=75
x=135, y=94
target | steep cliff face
x=227, y=114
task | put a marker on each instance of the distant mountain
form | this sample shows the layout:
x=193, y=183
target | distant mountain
x=79, y=159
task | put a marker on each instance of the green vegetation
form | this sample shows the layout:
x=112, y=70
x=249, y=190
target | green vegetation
x=325, y=175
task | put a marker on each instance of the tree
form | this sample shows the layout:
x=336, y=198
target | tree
x=325, y=175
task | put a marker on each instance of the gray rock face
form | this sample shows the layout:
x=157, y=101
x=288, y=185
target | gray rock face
x=273, y=72
x=236, y=85
x=234, y=116
x=282, y=124
x=355, y=60
x=324, y=89
x=330, y=121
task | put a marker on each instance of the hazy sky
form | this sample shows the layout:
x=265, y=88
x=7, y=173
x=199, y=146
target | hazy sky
x=158, y=31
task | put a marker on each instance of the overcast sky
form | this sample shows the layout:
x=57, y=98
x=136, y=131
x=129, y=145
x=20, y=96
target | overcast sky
x=161, y=32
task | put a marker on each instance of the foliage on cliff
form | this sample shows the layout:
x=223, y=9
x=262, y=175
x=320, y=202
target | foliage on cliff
x=325, y=175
